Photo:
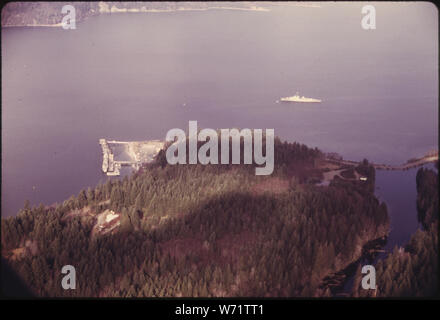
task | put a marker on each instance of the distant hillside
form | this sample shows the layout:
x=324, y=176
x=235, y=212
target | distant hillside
x=43, y=13
x=49, y=13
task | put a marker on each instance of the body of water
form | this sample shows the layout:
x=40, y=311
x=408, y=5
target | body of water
x=135, y=76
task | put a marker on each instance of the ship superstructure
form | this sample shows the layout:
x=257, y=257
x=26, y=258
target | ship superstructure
x=297, y=98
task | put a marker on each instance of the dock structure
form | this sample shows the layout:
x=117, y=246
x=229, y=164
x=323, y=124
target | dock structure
x=431, y=156
x=105, y=154
x=112, y=167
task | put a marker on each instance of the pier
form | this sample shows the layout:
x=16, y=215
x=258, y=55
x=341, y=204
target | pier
x=110, y=166
x=140, y=152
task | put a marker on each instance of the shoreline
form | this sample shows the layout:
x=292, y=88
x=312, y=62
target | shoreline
x=337, y=281
x=33, y=25
x=114, y=10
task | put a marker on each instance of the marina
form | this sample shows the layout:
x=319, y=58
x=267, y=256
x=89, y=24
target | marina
x=140, y=152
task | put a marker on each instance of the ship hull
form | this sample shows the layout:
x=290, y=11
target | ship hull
x=300, y=101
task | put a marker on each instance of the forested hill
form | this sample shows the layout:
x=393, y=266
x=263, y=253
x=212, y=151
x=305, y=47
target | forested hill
x=427, y=197
x=199, y=230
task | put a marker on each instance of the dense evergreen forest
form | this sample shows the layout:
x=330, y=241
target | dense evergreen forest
x=427, y=197
x=200, y=230
x=413, y=270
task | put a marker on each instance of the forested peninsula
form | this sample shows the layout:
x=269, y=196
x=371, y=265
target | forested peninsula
x=200, y=231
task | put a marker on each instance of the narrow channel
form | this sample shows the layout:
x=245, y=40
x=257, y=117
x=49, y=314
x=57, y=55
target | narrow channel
x=398, y=190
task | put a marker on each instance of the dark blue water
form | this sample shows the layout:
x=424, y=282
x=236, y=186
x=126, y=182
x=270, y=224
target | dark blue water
x=398, y=189
x=127, y=76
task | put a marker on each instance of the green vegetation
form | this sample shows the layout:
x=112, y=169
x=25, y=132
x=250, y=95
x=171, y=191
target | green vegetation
x=194, y=230
x=413, y=271
x=427, y=197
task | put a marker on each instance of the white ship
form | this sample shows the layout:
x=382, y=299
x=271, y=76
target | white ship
x=297, y=98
